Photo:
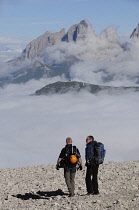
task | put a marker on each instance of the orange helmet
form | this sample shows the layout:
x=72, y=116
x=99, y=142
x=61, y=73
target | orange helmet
x=73, y=159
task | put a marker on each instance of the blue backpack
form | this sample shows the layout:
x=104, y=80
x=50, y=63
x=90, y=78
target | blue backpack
x=99, y=153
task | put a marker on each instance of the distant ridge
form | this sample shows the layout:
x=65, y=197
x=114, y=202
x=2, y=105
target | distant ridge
x=74, y=86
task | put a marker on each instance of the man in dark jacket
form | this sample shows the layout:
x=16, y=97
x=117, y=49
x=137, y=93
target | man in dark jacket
x=92, y=167
x=69, y=168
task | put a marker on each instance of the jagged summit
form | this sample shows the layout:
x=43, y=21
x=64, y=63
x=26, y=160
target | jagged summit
x=135, y=32
x=76, y=32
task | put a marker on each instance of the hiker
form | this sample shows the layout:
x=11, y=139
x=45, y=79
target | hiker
x=92, y=168
x=70, y=166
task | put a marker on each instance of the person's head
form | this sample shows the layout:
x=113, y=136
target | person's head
x=89, y=139
x=68, y=140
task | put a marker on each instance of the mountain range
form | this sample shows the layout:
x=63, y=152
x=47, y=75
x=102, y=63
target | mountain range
x=33, y=62
x=75, y=33
x=31, y=65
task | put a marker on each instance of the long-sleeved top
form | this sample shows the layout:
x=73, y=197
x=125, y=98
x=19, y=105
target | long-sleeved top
x=89, y=150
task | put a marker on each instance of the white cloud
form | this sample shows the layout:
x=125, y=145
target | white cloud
x=105, y=59
x=93, y=47
x=11, y=47
x=7, y=40
x=34, y=128
x=9, y=55
x=6, y=68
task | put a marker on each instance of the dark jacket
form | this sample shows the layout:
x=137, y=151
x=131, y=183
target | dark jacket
x=66, y=152
x=90, y=151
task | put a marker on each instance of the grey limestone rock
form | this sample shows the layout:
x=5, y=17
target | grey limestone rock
x=43, y=187
x=135, y=32
x=36, y=47
x=76, y=32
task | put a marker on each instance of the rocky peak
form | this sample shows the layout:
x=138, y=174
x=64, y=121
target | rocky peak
x=37, y=46
x=135, y=32
x=77, y=31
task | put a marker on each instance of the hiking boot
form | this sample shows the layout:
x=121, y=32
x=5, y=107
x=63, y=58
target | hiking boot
x=71, y=194
x=95, y=193
x=89, y=193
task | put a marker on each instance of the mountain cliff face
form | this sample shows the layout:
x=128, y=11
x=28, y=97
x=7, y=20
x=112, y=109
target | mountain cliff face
x=36, y=47
x=76, y=32
x=36, y=60
x=31, y=65
x=135, y=32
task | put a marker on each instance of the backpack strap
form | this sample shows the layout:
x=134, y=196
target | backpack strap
x=74, y=150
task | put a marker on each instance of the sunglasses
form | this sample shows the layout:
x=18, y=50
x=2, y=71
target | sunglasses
x=87, y=139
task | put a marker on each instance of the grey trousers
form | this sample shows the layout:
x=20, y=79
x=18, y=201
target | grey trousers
x=70, y=180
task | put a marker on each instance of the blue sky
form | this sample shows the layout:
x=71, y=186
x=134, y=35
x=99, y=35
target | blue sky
x=31, y=18
x=21, y=21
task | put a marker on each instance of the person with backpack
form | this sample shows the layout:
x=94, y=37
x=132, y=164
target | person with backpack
x=68, y=159
x=94, y=155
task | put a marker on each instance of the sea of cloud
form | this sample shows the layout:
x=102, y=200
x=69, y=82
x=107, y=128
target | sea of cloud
x=34, y=128
x=10, y=48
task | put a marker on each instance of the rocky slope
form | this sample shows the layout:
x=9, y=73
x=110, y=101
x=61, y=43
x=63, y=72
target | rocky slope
x=35, y=47
x=74, y=86
x=43, y=188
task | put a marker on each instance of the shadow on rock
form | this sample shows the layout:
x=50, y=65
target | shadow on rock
x=51, y=193
x=40, y=195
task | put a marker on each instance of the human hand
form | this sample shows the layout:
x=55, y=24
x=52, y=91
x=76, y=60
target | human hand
x=57, y=167
x=87, y=163
x=80, y=167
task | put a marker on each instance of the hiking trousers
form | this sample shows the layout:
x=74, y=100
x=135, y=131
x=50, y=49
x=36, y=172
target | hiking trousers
x=92, y=179
x=69, y=174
